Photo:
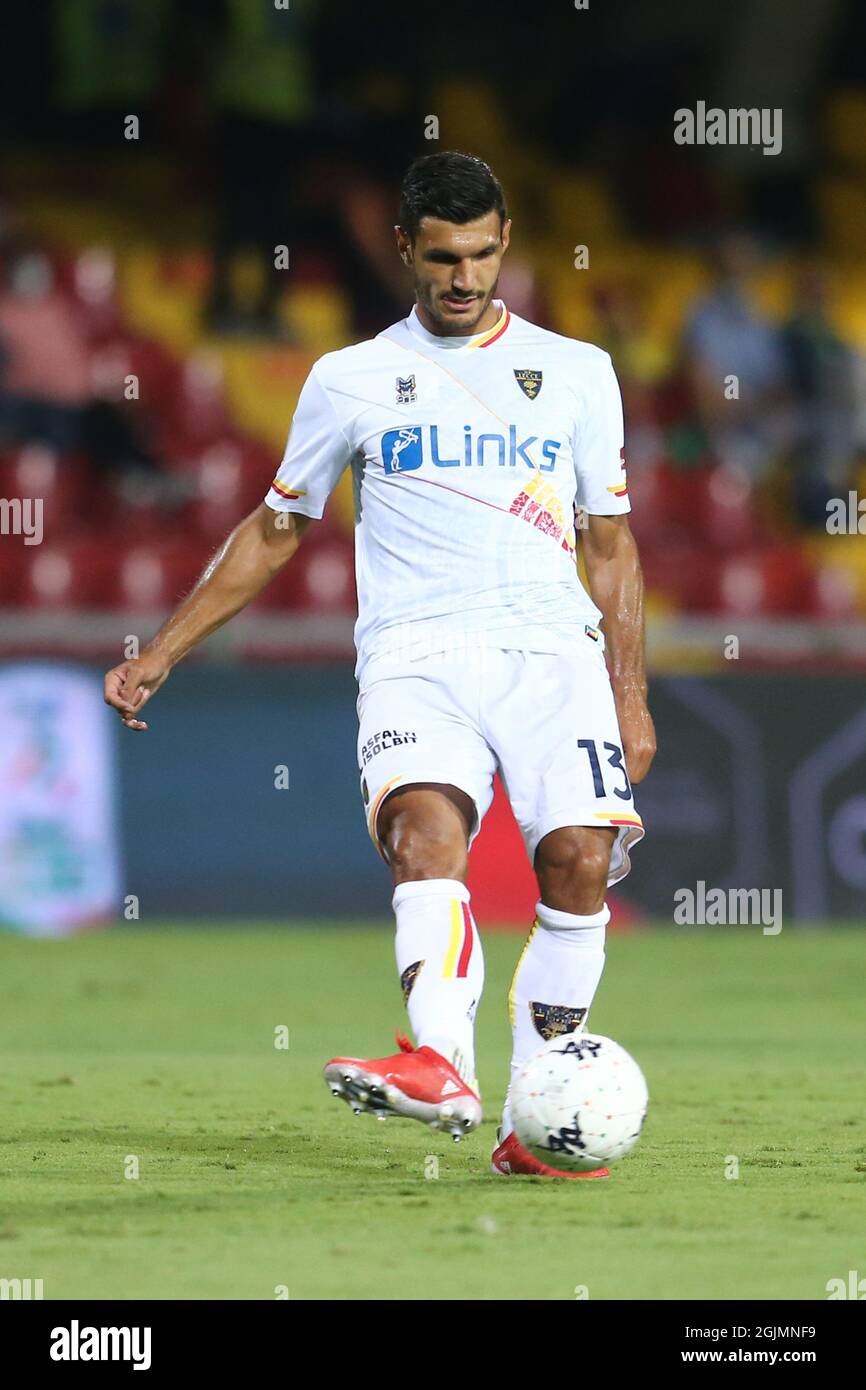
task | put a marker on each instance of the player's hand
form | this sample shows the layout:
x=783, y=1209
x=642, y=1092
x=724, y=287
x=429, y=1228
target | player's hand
x=638, y=735
x=129, y=686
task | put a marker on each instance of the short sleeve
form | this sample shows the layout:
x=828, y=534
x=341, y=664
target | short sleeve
x=599, y=452
x=316, y=456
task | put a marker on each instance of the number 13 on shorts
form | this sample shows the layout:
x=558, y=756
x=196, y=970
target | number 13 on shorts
x=616, y=783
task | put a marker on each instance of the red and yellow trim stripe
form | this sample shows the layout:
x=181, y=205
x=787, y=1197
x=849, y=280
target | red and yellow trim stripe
x=374, y=810
x=630, y=818
x=459, y=951
x=621, y=490
x=486, y=339
x=290, y=494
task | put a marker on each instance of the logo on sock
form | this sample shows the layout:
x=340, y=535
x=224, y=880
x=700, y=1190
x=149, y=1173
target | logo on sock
x=408, y=978
x=552, y=1020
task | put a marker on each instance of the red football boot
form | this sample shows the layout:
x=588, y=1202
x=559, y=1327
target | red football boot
x=416, y=1082
x=511, y=1157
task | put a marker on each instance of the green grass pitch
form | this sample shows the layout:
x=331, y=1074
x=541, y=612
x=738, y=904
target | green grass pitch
x=158, y=1046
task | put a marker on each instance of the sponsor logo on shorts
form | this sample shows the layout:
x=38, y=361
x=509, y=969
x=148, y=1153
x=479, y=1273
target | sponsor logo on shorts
x=552, y=1020
x=388, y=738
x=408, y=978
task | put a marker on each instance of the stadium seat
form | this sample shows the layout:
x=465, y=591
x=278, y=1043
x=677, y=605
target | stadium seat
x=194, y=414
x=683, y=573
x=773, y=581
x=156, y=575
x=328, y=576
x=723, y=501
x=832, y=594
x=229, y=480
x=68, y=574
x=319, y=578
x=62, y=482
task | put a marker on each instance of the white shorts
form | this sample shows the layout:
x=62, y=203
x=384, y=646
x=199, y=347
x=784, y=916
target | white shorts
x=546, y=723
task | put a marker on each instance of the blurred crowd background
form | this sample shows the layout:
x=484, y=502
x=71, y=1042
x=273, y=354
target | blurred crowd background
x=155, y=155
x=150, y=352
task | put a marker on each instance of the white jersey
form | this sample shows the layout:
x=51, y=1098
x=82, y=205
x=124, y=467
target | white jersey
x=469, y=457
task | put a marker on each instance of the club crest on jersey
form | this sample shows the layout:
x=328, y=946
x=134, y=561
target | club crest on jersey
x=529, y=382
x=406, y=390
x=552, y=1020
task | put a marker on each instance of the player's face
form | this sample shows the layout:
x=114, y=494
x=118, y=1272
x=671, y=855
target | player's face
x=455, y=268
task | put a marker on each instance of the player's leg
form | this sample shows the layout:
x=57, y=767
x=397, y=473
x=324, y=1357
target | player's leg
x=561, y=965
x=424, y=830
x=570, y=794
x=426, y=780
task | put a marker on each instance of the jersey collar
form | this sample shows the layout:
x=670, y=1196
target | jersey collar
x=480, y=340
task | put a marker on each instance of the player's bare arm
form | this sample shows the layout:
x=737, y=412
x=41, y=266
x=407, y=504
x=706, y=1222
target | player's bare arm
x=249, y=558
x=616, y=585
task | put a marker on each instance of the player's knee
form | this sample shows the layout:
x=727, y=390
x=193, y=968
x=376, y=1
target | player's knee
x=572, y=865
x=423, y=841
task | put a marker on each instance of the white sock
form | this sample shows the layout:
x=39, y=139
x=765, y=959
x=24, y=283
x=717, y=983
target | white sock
x=441, y=967
x=555, y=981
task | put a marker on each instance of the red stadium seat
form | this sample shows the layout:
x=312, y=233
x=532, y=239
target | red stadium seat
x=832, y=594
x=13, y=566
x=328, y=576
x=320, y=577
x=194, y=413
x=773, y=581
x=661, y=505
x=69, y=574
x=683, y=573
x=229, y=479
x=723, y=499
x=61, y=481
x=156, y=575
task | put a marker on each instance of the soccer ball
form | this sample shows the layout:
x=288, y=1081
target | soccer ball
x=579, y=1102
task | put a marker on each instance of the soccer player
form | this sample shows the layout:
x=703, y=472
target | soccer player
x=479, y=446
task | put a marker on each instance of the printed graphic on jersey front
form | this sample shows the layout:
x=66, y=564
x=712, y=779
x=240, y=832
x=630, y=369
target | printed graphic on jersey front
x=406, y=390
x=538, y=504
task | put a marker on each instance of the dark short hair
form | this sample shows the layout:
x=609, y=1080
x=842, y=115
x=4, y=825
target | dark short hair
x=451, y=186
